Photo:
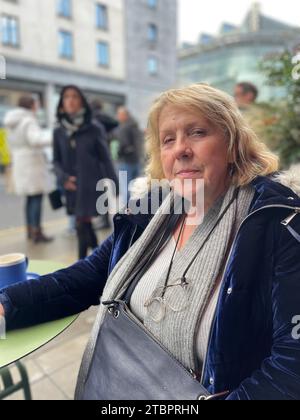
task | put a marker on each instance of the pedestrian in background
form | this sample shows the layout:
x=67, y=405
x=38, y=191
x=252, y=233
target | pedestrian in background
x=259, y=116
x=81, y=159
x=131, y=150
x=108, y=124
x=102, y=117
x=30, y=173
x=245, y=94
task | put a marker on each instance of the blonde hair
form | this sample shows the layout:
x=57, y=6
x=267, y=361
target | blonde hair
x=250, y=157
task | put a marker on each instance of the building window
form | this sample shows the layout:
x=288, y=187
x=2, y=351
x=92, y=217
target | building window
x=101, y=16
x=10, y=31
x=153, y=66
x=64, y=8
x=66, y=44
x=152, y=33
x=103, y=55
x=152, y=4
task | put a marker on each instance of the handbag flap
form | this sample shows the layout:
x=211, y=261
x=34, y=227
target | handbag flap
x=130, y=364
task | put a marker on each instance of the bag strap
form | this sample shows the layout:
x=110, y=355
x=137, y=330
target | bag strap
x=168, y=228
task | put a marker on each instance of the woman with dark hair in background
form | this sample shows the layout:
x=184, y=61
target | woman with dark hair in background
x=31, y=177
x=81, y=159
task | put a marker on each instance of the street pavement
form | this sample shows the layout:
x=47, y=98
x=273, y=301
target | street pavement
x=12, y=209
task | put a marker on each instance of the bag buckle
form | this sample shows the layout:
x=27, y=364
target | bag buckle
x=112, y=306
x=213, y=397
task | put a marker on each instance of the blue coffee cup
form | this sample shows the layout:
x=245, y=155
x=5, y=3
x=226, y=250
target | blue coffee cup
x=13, y=268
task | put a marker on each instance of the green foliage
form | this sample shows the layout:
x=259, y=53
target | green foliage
x=283, y=134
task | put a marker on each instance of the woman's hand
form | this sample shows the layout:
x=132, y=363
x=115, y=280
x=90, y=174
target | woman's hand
x=2, y=313
x=70, y=184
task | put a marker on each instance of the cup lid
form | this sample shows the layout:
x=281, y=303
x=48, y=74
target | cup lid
x=11, y=259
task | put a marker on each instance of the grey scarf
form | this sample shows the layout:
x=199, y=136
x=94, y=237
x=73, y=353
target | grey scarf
x=73, y=122
x=177, y=331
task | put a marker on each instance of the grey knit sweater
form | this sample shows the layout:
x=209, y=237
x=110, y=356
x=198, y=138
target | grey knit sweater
x=147, y=286
x=186, y=333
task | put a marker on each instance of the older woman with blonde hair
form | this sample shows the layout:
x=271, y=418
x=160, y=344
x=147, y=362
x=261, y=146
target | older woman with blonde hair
x=189, y=311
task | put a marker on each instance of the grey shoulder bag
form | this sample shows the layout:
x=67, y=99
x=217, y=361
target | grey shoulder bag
x=129, y=363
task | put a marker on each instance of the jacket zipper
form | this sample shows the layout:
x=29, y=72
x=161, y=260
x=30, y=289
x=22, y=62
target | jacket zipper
x=285, y=222
x=289, y=219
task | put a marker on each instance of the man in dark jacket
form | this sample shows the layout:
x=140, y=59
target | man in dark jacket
x=109, y=124
x=101, y=117
x=131, y=153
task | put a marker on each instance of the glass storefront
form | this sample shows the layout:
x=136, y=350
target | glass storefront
x=225, y=66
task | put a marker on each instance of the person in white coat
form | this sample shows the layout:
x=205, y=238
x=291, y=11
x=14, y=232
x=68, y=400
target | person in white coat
x=30, y=172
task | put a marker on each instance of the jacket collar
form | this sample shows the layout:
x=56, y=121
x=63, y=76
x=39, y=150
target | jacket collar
x=280, y=189
x=277, y=190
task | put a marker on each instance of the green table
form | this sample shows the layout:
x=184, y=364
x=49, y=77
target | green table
x=21, y=343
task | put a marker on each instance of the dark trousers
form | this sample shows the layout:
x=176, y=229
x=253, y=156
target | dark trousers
x=33, y=210
x=87, y=238
x=133, y=171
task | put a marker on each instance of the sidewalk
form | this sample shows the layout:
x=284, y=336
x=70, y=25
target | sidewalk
x=62, y=250
x=53, y=369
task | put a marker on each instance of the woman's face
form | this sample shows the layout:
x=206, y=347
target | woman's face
x=72, y=102
x=192, y=148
